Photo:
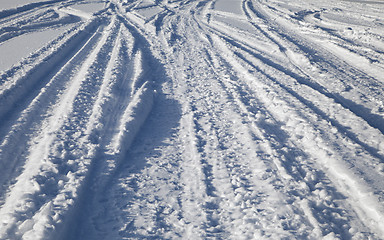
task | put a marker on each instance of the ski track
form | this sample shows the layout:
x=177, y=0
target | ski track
x=182, y=119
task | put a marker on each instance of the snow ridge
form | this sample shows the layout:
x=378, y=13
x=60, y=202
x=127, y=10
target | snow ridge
x=180, y=119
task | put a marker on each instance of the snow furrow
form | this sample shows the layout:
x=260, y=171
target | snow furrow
x=318, y=89
x=27, y=121
x=343, y=92
x=296, y=59
x=18, y=82
x=221, y=176
x=129, y=95
x=305, y=129
x=41, y=167
x=339, y=117
x=191, y=119
x=291, y=172
x=53, y=20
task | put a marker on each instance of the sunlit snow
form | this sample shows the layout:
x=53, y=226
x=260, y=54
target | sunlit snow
x=191, y=119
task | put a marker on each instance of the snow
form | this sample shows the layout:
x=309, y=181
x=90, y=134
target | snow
x=9, y=4
x=91, y=7
x=149, y=12
x=229, y=6
x=222, y=119
x=13, y=51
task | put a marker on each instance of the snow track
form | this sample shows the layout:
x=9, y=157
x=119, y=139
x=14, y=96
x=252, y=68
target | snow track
x=241, y=119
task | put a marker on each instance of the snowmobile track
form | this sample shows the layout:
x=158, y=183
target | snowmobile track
x=191, y=119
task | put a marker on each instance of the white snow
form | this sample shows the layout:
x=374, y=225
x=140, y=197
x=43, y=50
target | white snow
x=14, y=50
x=9, y=4
x=90, y=7
x=170, y=119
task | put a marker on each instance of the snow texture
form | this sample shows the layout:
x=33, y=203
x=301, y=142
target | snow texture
x=191, y=119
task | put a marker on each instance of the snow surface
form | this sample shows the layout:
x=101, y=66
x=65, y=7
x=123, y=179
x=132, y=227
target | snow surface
x=191, y=119
x=22, y=46
x=9, y=4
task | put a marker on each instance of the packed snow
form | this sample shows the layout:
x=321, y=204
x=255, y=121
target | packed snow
x=191, y=119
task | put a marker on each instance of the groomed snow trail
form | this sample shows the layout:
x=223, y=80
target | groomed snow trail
x=192, y=119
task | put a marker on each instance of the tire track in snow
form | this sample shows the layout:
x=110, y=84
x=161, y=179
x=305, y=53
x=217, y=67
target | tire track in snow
x=226, y=209
x=285, y=160
x=370, y=141
x=302, y=76
x=28, y=7
x=366, y=209
x=114, y=133
x=21, y=84
x=231, y=205
x=291, y=174
x=361, y=188
x=308, y=207
x=17, y=134
x=362, y=54
x=191, y=200
x=48, y=19
x=261, y=146
x=114, y=143
x=195, y=175
x=360, y=137
x=219, y=174
x=372, y=119
x=60, y=129
x=145, y=187
x=340, y=111
x=324, y=59
x=107, y=115
x=324, y=190
x=197, y=183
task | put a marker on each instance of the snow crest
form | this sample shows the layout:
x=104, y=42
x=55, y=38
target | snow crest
x=173, y=119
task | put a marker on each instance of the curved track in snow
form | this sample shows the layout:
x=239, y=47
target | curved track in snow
x=240, y=119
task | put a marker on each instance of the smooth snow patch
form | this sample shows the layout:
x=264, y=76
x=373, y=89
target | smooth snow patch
x=147, y=3
x=235, y=23
x=16, y=49
x=231, y=6
x=149, y=12
x=90, y=7
x=8, y=4
x=368, y=2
